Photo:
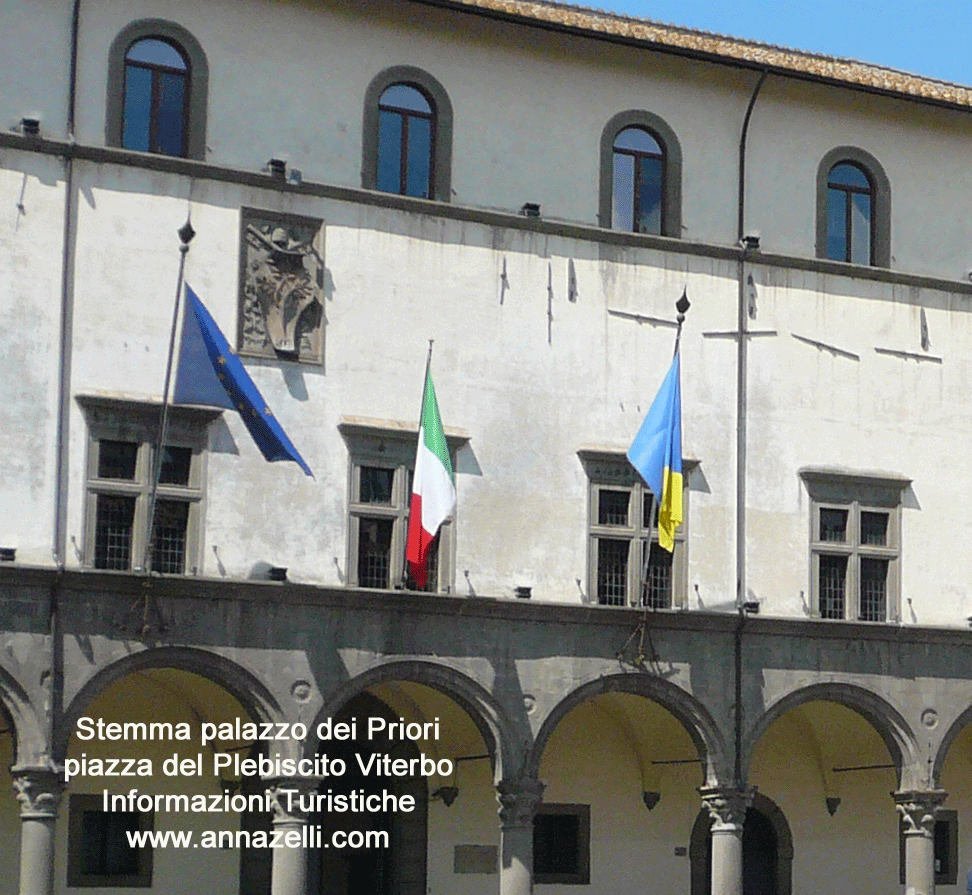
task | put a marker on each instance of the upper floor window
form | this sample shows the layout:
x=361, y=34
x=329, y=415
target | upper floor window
x=850, y=198
x=853, y=208
x=121, y=470
x=157, y=85
x=382, y=463
x=156, y=106
x=641, y=175
x=407, y=135
x=627, y=565
x=855, y=545
x=406, y=126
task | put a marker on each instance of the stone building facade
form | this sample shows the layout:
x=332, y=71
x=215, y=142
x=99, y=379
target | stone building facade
x=531, y=186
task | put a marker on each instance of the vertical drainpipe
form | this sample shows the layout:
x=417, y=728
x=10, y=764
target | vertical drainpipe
x=67, y=308
x=741, y=429
x=64, y=394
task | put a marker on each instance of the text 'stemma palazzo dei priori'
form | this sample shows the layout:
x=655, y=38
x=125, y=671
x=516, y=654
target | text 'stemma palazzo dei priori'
x=565, y=704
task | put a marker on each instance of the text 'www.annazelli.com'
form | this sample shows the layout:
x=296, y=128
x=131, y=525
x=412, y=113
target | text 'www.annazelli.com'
x=307, y=837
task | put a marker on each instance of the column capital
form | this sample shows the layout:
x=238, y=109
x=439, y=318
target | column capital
x=287, y=807
x=917, y=809
x=519, y=799
x=38, y=790
x=726, y=806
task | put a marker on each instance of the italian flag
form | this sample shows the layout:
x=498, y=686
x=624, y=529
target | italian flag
x=433, y=485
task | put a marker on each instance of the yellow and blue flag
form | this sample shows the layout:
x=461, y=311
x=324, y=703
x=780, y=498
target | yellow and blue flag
x=210, y=373
x=656, y=453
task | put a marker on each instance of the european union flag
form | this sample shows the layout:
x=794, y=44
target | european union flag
x=210, y=373
x=656, y=453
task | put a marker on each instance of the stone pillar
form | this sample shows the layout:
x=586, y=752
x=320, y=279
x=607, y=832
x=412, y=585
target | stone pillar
x=727, y=809
x=39, y=792
x=917, y=810
x=289, y=873
x=519, y=799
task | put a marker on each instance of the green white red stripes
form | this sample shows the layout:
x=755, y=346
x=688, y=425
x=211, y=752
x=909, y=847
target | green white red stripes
x=433, y=486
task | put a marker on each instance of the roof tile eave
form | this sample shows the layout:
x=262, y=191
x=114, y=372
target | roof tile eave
x=851, y=72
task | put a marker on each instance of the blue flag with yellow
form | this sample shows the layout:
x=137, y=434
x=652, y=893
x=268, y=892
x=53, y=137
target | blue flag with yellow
x=656, y=453
x=211, y=373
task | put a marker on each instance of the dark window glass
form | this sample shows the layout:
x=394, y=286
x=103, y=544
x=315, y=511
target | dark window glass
x=419, y=167
x=376, y=484
x=622, y=215
x=431, y=569
x=137, y=114
x=374, y=552
x=612, y=507
x=639, y=173
x=389, y=151
x=849, y=221
x=874, y=528
x=944, y=871
x=833, y=579
x=556, y=844
x=649, y=510
x=171, y=113
x=155, y=108
x=117, y=459
x=406, y=134
x=833, y=525
x=874, y=590
x=104, y=843
x=169, y=536
x=657, y=589
x=114, y=523
x=612, y=572
x=176, y=464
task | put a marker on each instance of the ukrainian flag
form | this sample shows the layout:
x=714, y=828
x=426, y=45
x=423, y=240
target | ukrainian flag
x=656, y=453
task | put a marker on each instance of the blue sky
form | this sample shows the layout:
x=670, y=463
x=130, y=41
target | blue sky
x=932, y=39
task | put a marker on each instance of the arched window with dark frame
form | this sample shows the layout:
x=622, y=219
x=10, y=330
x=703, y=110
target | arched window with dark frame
x=853, y=208
x=640, y=175
x=850, y=200
x=155, y=112
x=407, y=135
x=158, y=80
x=638, y=199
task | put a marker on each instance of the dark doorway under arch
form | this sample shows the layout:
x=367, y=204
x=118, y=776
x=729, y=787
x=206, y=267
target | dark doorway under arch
x=767, y=851
x=399, y=869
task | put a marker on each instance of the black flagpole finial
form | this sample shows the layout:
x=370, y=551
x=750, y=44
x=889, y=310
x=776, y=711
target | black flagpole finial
x=682, y=305
x=186, y=233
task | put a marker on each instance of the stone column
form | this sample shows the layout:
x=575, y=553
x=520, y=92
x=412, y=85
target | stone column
x=289, y=873
x=727, y=809
x=917, y=810
x=519, y=799
x=39, y=792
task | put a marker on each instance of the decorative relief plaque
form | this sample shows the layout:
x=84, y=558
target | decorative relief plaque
x=281, y=286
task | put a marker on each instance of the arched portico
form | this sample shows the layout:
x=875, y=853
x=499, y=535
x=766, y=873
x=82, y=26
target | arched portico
x=828, y=755
x=624, y=755
x=691, y=714
x=489, y=716
x=461, y=723
x=242, y=684
x=889, y=724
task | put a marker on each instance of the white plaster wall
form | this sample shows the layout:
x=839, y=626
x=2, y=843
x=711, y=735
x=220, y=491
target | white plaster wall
x=30, y=289
x=288, y=80
x=34, y=59
x=528, y=397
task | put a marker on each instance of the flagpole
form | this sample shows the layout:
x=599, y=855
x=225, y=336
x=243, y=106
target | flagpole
x=186, y=233
x=681, y=306
x=425, y=382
